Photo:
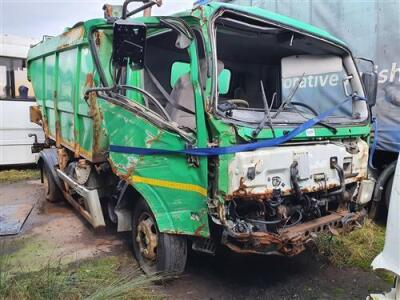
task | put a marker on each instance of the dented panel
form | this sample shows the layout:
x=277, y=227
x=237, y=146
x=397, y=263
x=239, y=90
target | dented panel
x=60, y=81
x=270, y=200
x=175, y=191
x=261, y=171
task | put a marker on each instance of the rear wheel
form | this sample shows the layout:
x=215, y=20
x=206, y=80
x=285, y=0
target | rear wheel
x=52, y=191
x=156, y=252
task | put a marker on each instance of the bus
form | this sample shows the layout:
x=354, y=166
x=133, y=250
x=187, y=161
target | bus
x=17, y=133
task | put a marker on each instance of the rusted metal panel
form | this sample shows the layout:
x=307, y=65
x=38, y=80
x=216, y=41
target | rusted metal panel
x=292, y=241
x=272, y=169
x=67, y=118
x=176, y=189
x=35, y=115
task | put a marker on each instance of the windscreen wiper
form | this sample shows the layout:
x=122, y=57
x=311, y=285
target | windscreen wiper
x=289, y=98
x=267, y=114
x=323, y=124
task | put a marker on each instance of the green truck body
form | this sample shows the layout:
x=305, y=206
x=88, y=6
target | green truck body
x=189, y=195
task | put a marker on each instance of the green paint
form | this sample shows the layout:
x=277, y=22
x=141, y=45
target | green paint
x=178, y=69
x=277, y=18
x=224, y=80
x=62, y=69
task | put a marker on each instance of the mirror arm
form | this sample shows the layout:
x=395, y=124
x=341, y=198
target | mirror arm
x=346, y=81
x=366, y=59
x=146, y=4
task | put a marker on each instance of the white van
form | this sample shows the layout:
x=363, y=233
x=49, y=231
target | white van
x=16, y=96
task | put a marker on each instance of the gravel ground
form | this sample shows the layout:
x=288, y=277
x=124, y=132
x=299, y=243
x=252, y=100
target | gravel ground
x=56, y=230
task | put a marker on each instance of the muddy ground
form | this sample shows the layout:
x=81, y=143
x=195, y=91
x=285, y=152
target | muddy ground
x=57, y=231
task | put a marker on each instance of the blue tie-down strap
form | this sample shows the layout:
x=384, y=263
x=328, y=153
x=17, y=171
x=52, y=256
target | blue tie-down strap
x=374, y=143
x=201, y=2
x=232, y=149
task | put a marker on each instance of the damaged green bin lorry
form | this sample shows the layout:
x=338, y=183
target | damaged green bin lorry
x=213, y=126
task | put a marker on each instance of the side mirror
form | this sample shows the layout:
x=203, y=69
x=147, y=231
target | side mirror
x=129, y=44
x=370, y=81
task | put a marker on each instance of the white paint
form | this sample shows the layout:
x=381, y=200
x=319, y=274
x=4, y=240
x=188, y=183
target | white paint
x=310, y=132
x=366, y=191
x=313, y=160
x=389, y=258
x=299, y=65
x=312, y=81
x=15, y=125
x=15, y=46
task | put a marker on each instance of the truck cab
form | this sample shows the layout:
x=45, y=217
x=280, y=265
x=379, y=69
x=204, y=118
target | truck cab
x=220, y=125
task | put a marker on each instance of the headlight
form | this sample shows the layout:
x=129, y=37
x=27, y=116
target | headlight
x=365, y=192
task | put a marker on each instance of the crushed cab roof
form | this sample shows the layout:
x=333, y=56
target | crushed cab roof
x=277, y=19
x=78, y=33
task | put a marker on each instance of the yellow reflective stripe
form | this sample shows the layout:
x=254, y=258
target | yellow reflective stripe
x=171, y=185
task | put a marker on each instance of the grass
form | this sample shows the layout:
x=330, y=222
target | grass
x=14, y=175
x=355, y=249
x=101, y=278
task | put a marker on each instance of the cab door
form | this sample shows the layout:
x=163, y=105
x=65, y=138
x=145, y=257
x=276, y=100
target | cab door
x=174, y=185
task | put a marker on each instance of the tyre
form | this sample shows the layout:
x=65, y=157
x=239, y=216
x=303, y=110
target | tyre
x=52, y=191
x=111, y=204
x=156, y=252
x=388, y=191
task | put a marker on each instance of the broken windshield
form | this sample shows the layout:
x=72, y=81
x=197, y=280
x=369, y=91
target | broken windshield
x=302, y=76
x=320, y=82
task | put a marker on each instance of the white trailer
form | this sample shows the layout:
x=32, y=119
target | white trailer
x=16, y=96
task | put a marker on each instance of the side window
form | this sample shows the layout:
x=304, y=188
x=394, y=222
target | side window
x=179, y=69
x=224, y=74
x=174, y=90
x=14, y=84
x=3, y=82
x=23, y=88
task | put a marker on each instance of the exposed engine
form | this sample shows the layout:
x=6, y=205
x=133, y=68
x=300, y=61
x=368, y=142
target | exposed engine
x=306, y=189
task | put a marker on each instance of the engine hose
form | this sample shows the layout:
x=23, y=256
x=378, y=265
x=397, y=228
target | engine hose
x=273, y=222
x=294, y=180
x=342, y=182
x=379, y=187
x=295, y=222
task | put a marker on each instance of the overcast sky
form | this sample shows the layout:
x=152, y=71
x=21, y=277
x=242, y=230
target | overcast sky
x=35, y=18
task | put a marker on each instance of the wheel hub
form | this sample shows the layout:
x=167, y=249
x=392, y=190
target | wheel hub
x=147, y=238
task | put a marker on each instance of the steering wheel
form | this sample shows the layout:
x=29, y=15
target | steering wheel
x=239, y=102
x=294, y=103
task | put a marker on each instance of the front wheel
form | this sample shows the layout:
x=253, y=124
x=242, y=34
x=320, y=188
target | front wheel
x=156, y=252
x=52, y=191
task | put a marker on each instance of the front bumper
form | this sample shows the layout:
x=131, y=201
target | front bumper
x=291, y=241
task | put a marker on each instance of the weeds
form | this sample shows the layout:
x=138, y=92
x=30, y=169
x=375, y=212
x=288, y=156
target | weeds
x=355, y=249
x=103, y=278
x=131, y=284
x=4, y=269
x=8, y=176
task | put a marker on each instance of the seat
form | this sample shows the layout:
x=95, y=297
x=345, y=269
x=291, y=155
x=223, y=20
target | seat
x=183, y=95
